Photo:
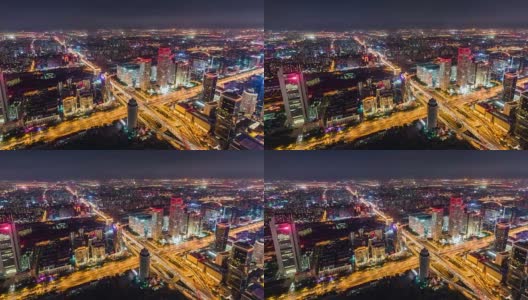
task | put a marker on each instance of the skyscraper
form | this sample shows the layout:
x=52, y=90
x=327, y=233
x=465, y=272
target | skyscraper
x=456, y=217
x=176, y=217
x=209, y=86
x=517, y=275
x=436, y=222
x=4, y=105
x=483, y=74
x=258, y=253
x=183, y=74
x=424, y=265
x=237, y=273
x=521, y=121
x=432, y=114
x=464, y=67
x=156, y=223
x=444, y=73
x=9, y=250
x=502, y=230
x=294, y=96
x=221, y=236
x=226, y=117
x=509, y=84
x=144, y=265
x=163, y=68
x=286, y=243
x=132, y=108
x=145, y=66
x=248, y=104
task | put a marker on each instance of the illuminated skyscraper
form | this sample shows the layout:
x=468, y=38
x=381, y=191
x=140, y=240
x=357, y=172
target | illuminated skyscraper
x=258, y=253
x=437, y=218
x=226, y=117
x=183, y=74
x=432, y=114
x=145, y=66
x=132, y=108
x=221, y=236
x=144, y=265
x=483, y=74
x=424, y=265
x=248, y=104
x=209, y=86
x=286, y=243
x=521, y=121
x=163, y=68
x=156, y=223
x=502, y=230
x=517, y=271
x=176, y=217
x=456, y=217
x=464, y=67
x=509, y=84
x=4, y=105
x=472, y=224
x=444, y=73
x=238, y=269
x=294, y=96
x=9, y=250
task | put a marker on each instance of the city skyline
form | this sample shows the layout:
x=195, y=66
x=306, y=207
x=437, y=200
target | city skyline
x=384, y=165
x=120, y=14
x=71, y=165
x=385, y=14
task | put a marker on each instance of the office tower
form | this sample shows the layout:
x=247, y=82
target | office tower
x=509, y=85
x=482, y=76
x=286, y=243
x=502, y=230
x=132, y=119
x=429, y=73
x=424, y=265
x=9, y=250
x=129, y=74
x=193, y=223
x=437, y=217
x=257, y=84
x=156, y=223
x=248, y=104
x=472, y=225
x=176, y=217
x=521, y=121
x=294, y=96
x=144, y=265
x=183, y=74
x=258, y=253
x=163, y=68
x=209, y=86
x=221, y=236
x=226, y=117
x=238, y=268
x=517, y=273
x=4, y=101
x=444, y=73
x=432, y=114
x=456, y=217
x=464, y=67
x=145, y=66
x=332, y=257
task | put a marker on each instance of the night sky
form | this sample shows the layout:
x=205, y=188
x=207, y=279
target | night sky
x=95, y=14
x=53, y=165
x=364, y=14
x=325, y=165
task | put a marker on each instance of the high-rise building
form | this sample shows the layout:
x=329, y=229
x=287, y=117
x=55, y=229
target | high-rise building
x=239, y=261
x=502, y=230
x=456, y=217
x=258, y=253
x=424, y=265
x=437, y=217
x=248, y=104
x=432, y=114
x=294, y=96
x=483, y=74
x=129, y=74
x=9, y=250
x=4, y=104
x=163, y=68
x=176, y=217
x=444, y=73
x=144, y=265
x=517, y=272
x=429, y=73
x=193, y=224
x=156, y=223
x=132, y=108
x=286, y=243
x=521, y=121
x=209, y=86
x=509, y=84
x=226, y=117
x=464, y=67
x=183, y=74
x=332, y=257
x=472, y=224
x=221, y=236
x=145, y=66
